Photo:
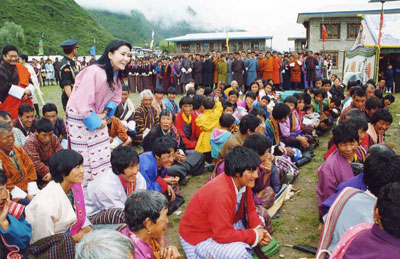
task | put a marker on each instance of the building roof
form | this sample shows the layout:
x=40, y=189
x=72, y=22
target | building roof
x=296, y=38
x=219, y=36
x=390, y=31
x=304, y=17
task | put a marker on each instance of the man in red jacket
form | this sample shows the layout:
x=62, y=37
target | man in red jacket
x=221, y=218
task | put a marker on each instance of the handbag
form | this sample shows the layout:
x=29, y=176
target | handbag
x=173, y=206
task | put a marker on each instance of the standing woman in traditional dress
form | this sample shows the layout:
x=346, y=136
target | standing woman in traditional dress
x=96, y=94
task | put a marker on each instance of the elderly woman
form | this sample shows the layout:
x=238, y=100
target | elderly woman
x=105, y=244
x=146, y=222
x=184, y=164
x=146, y=117
x=60, y=206
x=379, y=240
x=165, y=127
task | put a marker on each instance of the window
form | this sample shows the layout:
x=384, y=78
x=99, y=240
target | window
x=198, y=47
x=240, y=45
x=332, y=31
x=334, y=56
x=352, y=30
x=211, y=46
x=224, y=47
x=185, y=47
x=255, y=45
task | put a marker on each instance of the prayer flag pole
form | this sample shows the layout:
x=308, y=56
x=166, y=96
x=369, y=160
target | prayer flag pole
x=227, y=41
x=92, y=50
x=324, y=35
x=379, y=35
x=152, y=39
x=40, y=46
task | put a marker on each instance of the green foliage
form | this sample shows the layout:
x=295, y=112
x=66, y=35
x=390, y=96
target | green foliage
x=134, y=28
x=167, y=48
x=58, y=20
x=13, y=34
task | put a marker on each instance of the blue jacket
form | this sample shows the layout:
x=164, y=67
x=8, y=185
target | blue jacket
x=19, y=232
x=257, y=105
x=269, y=133
x=169, y=106
x=148, y=168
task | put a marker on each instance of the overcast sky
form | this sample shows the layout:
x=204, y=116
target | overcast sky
x=272, y=17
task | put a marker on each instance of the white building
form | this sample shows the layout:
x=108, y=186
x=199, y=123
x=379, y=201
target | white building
x=206, y=42
x=342, y=28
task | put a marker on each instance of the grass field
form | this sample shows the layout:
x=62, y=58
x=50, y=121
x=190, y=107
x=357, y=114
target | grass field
x=298, y=218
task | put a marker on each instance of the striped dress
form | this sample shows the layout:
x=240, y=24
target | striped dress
x=146, y=118
x=90, y=94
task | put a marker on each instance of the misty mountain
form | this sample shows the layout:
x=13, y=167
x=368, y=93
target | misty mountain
x=135, y=28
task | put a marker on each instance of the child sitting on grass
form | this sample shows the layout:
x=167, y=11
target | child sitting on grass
x=220, y=135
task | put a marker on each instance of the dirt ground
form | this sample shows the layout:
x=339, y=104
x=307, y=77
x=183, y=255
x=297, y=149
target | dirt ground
x=297, y=223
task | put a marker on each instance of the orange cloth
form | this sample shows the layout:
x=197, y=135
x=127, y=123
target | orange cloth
x=156, y=247
x=13, y=175
x=260, y=68
x=295, y=71
x=117, y=129
x=275, y=70
x=11, y=104
x=267, y=68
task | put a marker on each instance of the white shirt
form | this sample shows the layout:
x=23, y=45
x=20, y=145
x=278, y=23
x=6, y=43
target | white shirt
x=50, y=212
x=106, y=192
x=239, y=194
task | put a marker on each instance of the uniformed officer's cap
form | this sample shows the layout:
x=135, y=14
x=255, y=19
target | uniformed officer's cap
x=69, y=44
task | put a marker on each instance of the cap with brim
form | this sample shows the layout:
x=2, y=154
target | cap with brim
x=69, y=44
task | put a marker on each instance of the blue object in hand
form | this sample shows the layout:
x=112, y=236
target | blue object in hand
x=112, y=106
x=92, y=121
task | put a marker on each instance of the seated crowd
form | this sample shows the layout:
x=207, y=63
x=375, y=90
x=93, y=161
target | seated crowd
x=252, y=149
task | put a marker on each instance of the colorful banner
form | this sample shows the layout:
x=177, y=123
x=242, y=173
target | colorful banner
x=40, y=47
x=92, y=51
x=324, y=33
x=359, y=65
x=227, y=43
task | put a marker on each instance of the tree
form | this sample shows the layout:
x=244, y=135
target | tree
x=167, y=48
x=13, y=34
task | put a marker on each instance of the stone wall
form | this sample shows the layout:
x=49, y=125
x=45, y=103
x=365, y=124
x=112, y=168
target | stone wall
x=340, y=45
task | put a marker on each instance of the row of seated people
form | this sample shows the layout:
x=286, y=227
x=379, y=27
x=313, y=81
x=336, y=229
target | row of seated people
x=146, y=224
x=44, y=129
x=357, y=166
x=248, y=124
x=62, y=207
